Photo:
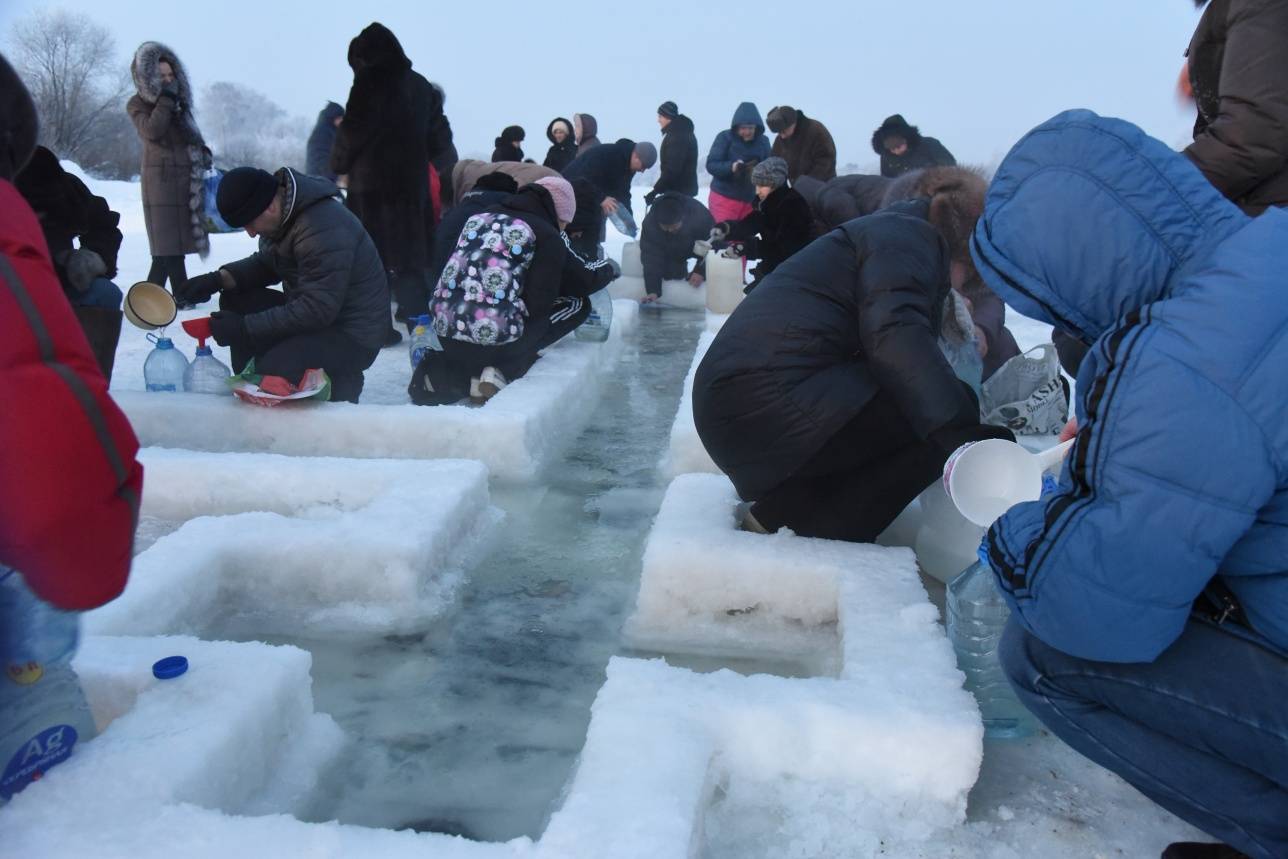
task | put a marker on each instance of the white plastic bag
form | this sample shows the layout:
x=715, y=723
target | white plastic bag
x=1027, y=394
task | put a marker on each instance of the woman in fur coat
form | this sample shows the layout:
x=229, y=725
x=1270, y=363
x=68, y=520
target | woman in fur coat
x=175, y=159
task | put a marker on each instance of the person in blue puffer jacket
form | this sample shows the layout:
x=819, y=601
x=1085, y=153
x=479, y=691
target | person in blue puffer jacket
x=734, y=154
x=1150, y=592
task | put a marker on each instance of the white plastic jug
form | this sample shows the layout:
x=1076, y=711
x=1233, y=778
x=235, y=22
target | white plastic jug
x=724, y=283
x=986, y=478
x=632, y=265
x=946, y=540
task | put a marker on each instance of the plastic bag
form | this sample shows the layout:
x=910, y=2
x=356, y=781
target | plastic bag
x=1027, y=394
x=260, y=390
x=215, y=223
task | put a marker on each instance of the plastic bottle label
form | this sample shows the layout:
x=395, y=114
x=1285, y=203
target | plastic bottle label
x=155, y=386
x=49, y=748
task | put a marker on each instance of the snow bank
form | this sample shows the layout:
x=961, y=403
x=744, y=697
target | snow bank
x=686, y=453
x=515, y=433
x=280, y=545
x=675, y=293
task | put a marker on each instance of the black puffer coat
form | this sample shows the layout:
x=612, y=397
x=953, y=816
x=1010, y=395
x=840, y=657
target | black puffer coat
x=922, y=151
x=608, y=168
x=780, y=226
x=665, y=255
x=678, y=159
x=327, y=263
x=848, y=197
x=560, y=155
x=393, y=127
x=1241, y=134
x=317, y=161
x=854, y=313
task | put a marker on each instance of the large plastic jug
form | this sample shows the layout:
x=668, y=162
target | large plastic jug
x=423, y=339
x=165, y=366
x=724, y=283
x=632, y=263
x=946, y=540
x=600, y=320
x=43, y=712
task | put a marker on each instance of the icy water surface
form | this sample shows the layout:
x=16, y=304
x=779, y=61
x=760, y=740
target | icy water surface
x=473, y=727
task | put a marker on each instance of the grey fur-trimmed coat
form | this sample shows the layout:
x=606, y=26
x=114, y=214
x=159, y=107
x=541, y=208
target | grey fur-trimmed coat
x=175, y=157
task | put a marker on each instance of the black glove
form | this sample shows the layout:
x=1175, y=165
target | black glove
x=948, y=439
x=228, y=329
x=200, y=288
x=750, y=164
x=649, y=198
x=170, y=91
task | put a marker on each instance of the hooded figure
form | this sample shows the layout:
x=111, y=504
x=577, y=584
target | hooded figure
x=825, y=397
x=507, y=145
x=175, y=159
x=1149, y=596
x=585, y=127
x=902, y=148
x=318, y=153
x=562, y=150
x=730, y=161
x=393, y=127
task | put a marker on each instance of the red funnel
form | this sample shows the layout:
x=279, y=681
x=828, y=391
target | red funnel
x=198, y=328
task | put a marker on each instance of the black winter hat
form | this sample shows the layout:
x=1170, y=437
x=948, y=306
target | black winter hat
x=781, y=118
x=497, y=181
x=512, y=134
x=244, y=194
x=18, y=122
x=669, y=110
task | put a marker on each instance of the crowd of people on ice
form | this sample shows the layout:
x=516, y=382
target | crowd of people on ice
x=1148, y=588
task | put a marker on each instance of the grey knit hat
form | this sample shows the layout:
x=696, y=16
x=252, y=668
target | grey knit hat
x=772, y=173
x=647, y=153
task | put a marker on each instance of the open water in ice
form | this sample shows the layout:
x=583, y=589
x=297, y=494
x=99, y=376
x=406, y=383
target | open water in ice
x=473, y=726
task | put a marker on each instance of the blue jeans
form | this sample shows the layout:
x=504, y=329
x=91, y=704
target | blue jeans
x=1202, y=730
x=101, y=293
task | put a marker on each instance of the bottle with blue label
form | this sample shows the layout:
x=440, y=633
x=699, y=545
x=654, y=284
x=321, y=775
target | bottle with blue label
x=423, y=339
x=977, y=614
x=43, y=712
x=165, y=366
x=600, y=320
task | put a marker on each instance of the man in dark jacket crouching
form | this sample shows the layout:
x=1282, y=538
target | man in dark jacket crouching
x=334, y=310
x=825, y=398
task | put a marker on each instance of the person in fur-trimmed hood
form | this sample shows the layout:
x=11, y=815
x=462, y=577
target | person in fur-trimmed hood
x=903, y=148
x=563, y=148
x=393, y=127
x=175, y=159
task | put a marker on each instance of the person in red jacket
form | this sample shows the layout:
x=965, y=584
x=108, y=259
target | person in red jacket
x=70, y=482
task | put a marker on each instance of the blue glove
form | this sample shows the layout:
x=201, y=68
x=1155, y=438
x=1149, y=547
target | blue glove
x=1050, y=486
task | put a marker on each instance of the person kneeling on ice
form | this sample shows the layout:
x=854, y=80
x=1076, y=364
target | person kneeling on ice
x=671, y=228
x=825, y=397
x=334, y=310
x=780, y=226
x=1149, y=593
x=505, y=294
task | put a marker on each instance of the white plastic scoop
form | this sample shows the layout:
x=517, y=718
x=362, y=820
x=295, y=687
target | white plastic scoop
x=986, y=478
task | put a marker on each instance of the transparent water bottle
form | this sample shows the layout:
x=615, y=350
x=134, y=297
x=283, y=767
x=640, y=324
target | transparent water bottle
x=600, y=320
x=164, y=368
x=423, y=339
x=206, y=374
x=977, y=614
x=43, y=712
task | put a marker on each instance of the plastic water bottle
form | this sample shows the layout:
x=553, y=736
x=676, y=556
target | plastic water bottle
x=977, y=614
x=600, y=320
x=43, y=712
x=165, y=367
x=206, y=374
x=423, y=339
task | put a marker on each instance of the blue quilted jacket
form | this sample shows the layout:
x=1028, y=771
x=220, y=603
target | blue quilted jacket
x=1175, y=495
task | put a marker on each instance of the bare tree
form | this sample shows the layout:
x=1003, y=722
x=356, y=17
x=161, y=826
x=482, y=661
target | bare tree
x=246, y=128
x=68, y=62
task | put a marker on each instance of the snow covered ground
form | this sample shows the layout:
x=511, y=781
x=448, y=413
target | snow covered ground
x=439, y=667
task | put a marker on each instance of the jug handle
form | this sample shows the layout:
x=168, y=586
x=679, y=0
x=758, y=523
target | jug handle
x=1053, y=456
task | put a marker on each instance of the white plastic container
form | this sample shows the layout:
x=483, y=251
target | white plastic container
x=946, y=540
x=986, y=478
x=207, y=374
x=165, y=367
x=724, y=283
x=632, y=265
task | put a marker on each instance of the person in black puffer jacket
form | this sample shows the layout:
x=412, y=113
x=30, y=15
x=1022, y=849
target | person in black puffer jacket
x=393, y=127
x=825, y=397
x=563, y=148
x=903, y=148
x=334, y=309
x=317, y=159
x=678, y=158
x=507, y=145
x=671, y=227
x=780, y=226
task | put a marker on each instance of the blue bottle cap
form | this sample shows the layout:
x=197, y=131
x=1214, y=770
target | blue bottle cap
x=165, y=343
x=170, y=667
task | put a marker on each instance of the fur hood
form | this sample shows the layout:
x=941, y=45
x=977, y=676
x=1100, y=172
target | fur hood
x=956, y=199
x=895, y=126
x=147, y=79
x=550, y=130
x=377, y=50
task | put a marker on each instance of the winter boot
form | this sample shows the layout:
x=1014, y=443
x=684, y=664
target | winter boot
x=1201, y=850
x=490, y=383
x=747, y=521
x=102, y=327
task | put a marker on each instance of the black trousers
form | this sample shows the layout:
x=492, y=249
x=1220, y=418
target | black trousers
x=858, y=482
x=170, y=268
x=449, y=371
x=410, y=290
x=343, y=358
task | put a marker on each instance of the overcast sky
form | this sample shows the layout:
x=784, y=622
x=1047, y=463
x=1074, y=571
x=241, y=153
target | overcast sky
x=976, y=75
